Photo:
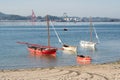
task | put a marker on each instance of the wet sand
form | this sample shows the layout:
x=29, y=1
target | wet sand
x=108, y=71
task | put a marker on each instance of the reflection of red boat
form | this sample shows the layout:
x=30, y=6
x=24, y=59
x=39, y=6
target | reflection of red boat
x=83, y=59
x=45, y=58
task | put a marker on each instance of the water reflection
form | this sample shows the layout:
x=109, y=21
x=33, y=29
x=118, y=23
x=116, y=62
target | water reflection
x=83, y=62
x=68, y=52
x=90, y=49
x=46, y=58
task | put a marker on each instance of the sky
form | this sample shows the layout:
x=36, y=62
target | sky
x=80, y=8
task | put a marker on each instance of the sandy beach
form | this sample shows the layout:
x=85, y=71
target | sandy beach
x=108, y=71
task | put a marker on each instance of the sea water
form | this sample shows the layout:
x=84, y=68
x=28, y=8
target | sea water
x=15, y=56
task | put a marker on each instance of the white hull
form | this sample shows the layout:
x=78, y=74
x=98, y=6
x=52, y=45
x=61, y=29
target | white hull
x=87, y=44
x=70, y=48
x=69, y=52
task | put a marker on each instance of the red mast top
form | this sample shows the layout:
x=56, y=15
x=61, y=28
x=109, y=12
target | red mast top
x=33, y=16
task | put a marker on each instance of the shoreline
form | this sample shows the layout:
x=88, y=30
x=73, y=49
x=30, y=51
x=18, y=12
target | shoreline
x=116, y=62
x=105, y=71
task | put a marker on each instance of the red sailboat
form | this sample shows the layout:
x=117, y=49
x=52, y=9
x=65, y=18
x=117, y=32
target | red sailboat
x=40, y=49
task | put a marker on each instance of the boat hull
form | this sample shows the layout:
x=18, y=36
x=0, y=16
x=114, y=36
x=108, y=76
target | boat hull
x=68, y=52
x=83, y=59
x=42, y=51
x=70, y=48
x=87, y=44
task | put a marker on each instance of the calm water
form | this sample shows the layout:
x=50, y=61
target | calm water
x=15, y=56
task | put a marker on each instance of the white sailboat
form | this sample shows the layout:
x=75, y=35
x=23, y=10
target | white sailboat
x=64, y=46
x=90, y=44
x=70, y=48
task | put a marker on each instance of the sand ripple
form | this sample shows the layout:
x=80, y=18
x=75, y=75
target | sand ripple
x=97, y=72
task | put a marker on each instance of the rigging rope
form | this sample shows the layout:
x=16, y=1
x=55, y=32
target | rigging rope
x=96, y=34
x=56, y=33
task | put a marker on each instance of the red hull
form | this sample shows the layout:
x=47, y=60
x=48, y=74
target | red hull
x=84, y=59
x=42, y=51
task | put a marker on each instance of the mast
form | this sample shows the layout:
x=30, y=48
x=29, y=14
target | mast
x=47, y=19
x=91, y=29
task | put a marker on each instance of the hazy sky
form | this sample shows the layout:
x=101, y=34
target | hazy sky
x=81, y=8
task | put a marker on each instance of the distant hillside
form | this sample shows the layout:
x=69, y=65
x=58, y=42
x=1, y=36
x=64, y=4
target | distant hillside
x=12, y=17
x=2, y=14
x=9, y=17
